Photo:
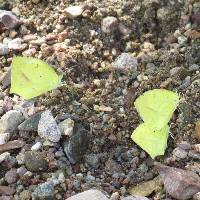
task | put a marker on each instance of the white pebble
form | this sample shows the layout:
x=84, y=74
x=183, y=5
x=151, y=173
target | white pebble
x=4, y=138
x=36, y=146
x=4, y=156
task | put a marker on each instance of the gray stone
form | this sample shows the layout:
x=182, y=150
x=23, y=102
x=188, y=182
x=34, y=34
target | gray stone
x=4, y=49
x=10, y=121
x=6, y=79
x=180, y=153
x=125, y=62
x=35, y=161
x=44, y=191
x=9, y=20
x=30, y=124
x=11, y=176
x=89, y=195
x=75, y=146
x=92, y=161
x=48, y=128
x=109, y=24
x=194, y=67
x=135, y=197
x=124, y=30
x=174, y=71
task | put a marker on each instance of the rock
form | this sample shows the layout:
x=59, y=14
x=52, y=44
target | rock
x=4, y=156
x=30, y=124
x=21, y=171
x=182, y=40
x=196, y=18
x=194, y=154
x=6, y=79
x=29, y=52
x=48, y=128
x=102, y=108
x=9, y=20
x=186, y=114
x=146, y=188
x=197, y=130
x=194, y=68
x=192, y=34
x=6, y=198
x=10, y=121
x=109, y=24
x=36, y=146
x=35, y=1
x=25, y=195
x=44, y=191
x=180, y=153
x=89, y=195
x=6, y=190
x=15, y=44
x=196, y=196
x=125, y=62
x=179, y=183
x=124, y=30
x=4, y=138
x=35, y=161
x=11, y=145
x=16, y=11
x=73, y=12
x=185, y=145
x=112, y=167
x=92, y=161
x=11, y=176
x=38, y=42
x=66, y=127
x=196, y=147
x=4, y=49
x=134, y=197
x=75, y=146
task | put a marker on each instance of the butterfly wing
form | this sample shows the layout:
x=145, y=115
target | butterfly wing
x=157, y=106
x=154, y=142
x=31, y=77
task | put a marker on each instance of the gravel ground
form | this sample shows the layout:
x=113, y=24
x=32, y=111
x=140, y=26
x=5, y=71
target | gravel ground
x=109, y=52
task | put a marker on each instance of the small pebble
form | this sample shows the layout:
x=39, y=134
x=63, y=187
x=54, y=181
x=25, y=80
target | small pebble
x=4, y=138
x=37, y=146
x=180, y=153
x=4, y=49
x=66, y=127
x=48, y=128
x=125, y=62
x=35, y=161
x=89, y=195
x=4, y=156
x=10, y=121
x=43, y=191
x=11, y=176
x=109, y=24
x=73, y=12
